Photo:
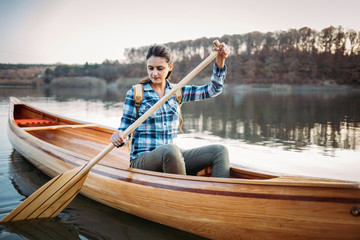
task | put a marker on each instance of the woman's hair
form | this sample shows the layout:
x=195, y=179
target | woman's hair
x=159, y=51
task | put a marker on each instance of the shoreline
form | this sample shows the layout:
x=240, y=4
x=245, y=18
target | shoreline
x=34, y=83
x=293, y=88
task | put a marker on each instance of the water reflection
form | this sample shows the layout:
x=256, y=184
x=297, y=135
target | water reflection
x=105, y=94
x=82, y=219
x=295, y=121
x=290, y=119
x=6, y=92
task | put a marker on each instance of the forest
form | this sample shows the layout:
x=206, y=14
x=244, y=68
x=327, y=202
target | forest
x=302, y=56
x=295, y=56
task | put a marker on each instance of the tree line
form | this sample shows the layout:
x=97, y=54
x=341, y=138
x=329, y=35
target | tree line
x=295, y=56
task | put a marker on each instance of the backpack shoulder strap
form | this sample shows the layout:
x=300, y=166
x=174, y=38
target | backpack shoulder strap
x=178, y=96
x=138, y=96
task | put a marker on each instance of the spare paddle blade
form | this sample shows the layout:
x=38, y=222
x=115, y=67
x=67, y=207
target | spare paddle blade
x=50, y=199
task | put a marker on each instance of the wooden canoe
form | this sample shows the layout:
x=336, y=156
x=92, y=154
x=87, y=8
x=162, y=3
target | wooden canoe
x=249, y=205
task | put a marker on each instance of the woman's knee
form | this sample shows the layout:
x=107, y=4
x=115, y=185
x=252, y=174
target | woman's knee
x=221, y=150
x=171, y=152
x=173, y=161
x=221, y=165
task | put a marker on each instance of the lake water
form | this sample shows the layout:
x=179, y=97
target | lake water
x=288, y=131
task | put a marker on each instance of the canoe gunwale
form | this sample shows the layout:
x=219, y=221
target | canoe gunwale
x=276, y=180
x=272, y=179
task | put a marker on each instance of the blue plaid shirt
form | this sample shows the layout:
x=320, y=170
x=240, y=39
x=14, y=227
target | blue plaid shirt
x=162, y=126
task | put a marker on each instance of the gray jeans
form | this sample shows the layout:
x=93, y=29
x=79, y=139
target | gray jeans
x=171, y=159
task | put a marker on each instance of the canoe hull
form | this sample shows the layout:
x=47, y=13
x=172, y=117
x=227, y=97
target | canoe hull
x=275, y=208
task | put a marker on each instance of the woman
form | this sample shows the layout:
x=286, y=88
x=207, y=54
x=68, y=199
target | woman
x=152, y=146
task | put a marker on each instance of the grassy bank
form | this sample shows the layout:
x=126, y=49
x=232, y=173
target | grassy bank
x=78, y=82
x=21, y=82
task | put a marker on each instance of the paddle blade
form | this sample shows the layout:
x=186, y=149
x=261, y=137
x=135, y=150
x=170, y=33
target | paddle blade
x=50, y=199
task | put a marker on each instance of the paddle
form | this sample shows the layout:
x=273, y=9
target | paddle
x=56, y=194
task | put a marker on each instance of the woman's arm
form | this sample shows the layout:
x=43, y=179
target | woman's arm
x=214, y=88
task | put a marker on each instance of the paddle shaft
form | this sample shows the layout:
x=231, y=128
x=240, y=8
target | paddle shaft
x=149, y=112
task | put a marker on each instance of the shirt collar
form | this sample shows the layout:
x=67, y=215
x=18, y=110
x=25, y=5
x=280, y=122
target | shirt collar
x=147, y=86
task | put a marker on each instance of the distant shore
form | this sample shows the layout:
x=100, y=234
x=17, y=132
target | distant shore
x=91, y=82
x=291, y=88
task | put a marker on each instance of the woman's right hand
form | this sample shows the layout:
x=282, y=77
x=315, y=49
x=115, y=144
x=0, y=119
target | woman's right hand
x=223, y=52
x=118, y=138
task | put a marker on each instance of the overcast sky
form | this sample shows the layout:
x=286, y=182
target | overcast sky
x=79, y=31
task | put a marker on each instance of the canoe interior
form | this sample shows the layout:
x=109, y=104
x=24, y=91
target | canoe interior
x=88, y=141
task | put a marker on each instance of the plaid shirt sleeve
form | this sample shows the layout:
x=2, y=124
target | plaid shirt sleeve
x=214, y=88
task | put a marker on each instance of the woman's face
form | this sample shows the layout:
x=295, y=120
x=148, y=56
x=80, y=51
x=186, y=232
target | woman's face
x=158, y=69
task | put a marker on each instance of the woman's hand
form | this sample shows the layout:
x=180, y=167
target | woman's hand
x=118, y=139
x=223, y=53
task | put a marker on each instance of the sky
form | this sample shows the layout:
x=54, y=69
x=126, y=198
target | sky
x=80, y=31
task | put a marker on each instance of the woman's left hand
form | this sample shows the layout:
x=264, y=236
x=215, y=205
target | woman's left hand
x=223, y=53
